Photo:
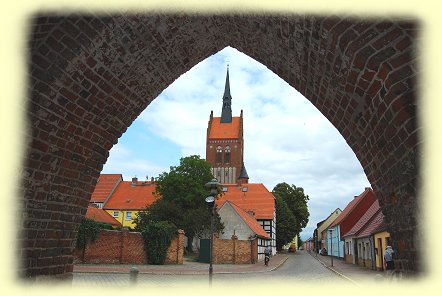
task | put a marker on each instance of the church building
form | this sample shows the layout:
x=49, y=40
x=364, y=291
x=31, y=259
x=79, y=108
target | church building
x=225, y=152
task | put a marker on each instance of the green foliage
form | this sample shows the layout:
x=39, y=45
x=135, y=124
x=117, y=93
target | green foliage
x=157, y=238
x=88, y=231
x=285, y=223
x=296, y=200
x=300, y=242
x=182, y=194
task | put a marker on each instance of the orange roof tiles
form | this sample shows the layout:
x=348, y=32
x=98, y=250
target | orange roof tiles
x=220, y=130
x=130, y=197
x=105, y=185
x=257, y=199
x=100, y=215
x=249, y=220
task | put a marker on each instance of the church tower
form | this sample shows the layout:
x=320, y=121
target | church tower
x=225, y=143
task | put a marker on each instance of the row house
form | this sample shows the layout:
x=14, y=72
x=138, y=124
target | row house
x=359, y=233
x=358, y=246
x=322, y=228
x=346, y=220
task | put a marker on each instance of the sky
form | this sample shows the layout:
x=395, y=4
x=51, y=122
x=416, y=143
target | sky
x=286, y=139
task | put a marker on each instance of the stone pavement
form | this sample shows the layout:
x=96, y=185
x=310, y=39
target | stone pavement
x=188, y=267
x=352, y=272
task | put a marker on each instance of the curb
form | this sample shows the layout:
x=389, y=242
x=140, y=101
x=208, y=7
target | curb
x=335, y=271
x=190, y=272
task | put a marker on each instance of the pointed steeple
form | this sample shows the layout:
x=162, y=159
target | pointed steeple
x=226, y=114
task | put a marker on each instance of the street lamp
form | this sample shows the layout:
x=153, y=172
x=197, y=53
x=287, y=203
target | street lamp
x=331, y=246
x=210, y=200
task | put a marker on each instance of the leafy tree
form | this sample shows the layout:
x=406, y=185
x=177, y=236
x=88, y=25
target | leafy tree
x=296, y=200
x=285, y=223
x=182, y=194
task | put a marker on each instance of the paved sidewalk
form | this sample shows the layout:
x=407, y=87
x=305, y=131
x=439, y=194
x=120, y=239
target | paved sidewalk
x=351, y=272
x=188, y=267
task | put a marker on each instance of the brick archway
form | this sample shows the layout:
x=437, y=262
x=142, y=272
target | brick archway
x=91, y=76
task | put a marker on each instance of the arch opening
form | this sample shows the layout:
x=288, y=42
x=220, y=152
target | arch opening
x=88, y=86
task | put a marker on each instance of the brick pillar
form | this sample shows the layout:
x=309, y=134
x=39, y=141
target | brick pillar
x=180, y=246
x=234, y=239
x=124, y=243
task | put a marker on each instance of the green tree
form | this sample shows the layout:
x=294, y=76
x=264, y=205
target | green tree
x=296, y=200
x=285, y=223
x=182, y=194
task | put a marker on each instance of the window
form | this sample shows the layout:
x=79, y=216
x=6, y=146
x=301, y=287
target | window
x=115, y=214
x=225, y=189
x=227, y=154
x=128, y=215
x=219, y=152
x=244, y=189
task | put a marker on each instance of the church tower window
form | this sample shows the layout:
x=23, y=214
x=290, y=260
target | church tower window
x=219, y=154
x=227, y=155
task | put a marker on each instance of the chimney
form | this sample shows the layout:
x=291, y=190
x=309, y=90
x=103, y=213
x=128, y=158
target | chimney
x=134, y=180
x=152, y=180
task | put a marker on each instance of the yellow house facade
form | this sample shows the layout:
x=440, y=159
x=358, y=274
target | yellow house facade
x=381, y=241
x=324, y=226
x=128, y=199
x=125, y=217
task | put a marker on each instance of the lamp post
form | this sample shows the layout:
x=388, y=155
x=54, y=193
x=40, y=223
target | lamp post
x=331, y=246
x=210, y=200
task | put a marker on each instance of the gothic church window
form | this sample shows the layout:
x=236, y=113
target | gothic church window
x=227, y=155
x=219, y=152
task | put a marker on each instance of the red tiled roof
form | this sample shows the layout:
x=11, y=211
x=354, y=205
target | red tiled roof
x=130, y=197
x=106, y=183
x=257, y=199
x=365, y=219
x=220, y=130
x=249, y=220
x=349, y=208
x=100, y=215
x=372, y=226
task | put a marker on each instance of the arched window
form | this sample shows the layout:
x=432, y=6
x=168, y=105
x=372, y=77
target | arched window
x=227, y=154
x=219, y=154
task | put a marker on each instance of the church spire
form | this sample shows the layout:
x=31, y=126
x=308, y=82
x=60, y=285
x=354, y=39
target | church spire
x=226, y=114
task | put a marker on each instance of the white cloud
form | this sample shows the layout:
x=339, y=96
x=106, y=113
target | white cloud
x=286, y=138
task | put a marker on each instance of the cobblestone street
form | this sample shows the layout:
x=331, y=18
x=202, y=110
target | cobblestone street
x=299, y=267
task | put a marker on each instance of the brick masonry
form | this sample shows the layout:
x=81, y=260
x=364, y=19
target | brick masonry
x=115, y=246
x=90, y=76
x=234, y=251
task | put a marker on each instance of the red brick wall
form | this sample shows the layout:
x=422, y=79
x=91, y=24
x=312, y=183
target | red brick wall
x=234, y=251
x=114, y=246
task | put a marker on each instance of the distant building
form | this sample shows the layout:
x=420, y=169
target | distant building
x=106, y=185
x=128, y=199
x=225, y=153
x=100, y=215
x=347, y=219
x=243, y=225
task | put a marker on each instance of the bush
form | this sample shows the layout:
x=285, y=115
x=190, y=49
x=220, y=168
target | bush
x=157, y=238
x=88, y=231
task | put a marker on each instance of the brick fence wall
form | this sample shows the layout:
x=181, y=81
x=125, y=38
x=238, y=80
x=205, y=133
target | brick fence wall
x=234, y=251
x=114, y=246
